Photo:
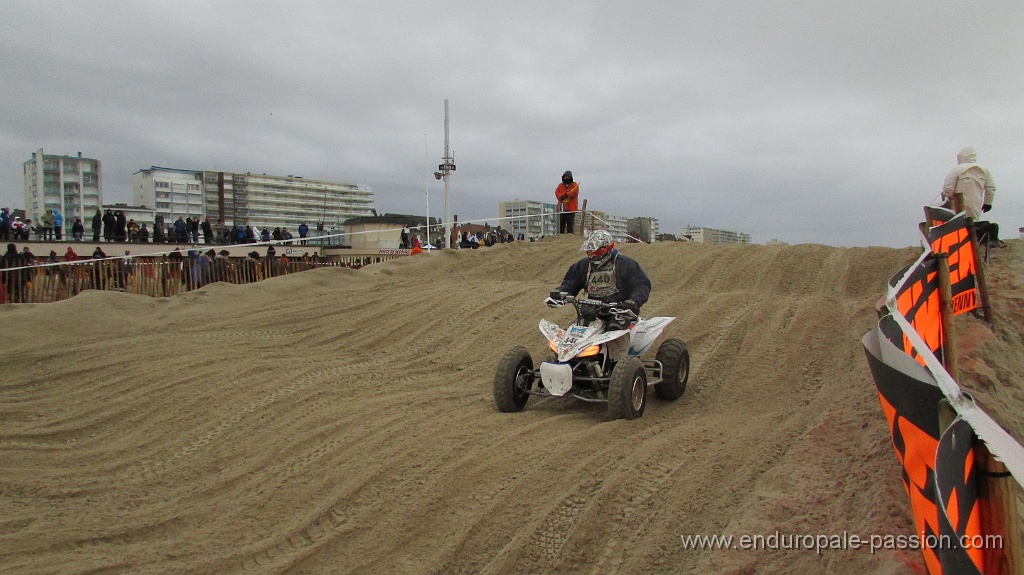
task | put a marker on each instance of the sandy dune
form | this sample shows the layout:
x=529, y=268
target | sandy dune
x=341, y=421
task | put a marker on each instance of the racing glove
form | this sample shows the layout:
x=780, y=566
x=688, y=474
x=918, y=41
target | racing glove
x=555, y=299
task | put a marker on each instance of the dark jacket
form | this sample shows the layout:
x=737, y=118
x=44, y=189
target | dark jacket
x=630, y=279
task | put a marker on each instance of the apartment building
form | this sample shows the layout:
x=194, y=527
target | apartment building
x=617, y=226
x=713, y=236
x=532, y=219
x=260, y=200
x=170, y=192
x=644, y=229
x=267, y=201
x=71, y=184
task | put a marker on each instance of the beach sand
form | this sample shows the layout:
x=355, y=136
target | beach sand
x=340, y=421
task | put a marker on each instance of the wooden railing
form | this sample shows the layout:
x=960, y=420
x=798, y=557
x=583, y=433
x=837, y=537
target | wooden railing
x=155, y=276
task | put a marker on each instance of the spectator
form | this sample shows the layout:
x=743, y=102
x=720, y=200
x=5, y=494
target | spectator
x=567, y=193
x=133, y=231
x=221, y=232
x=193, y=228
x=201, y=268
x=14, y=280
x=109, y=225
x=143, y=234
x=265, y=235
x=47, y=221
x=27, y=257
x=97, y=225
x=221, y=265
x=122, y=226
x=277, y=234
x=973, y=185
x=124, y=270
x=303, y=232
x=58, y=225
x=70, y=255
x=78, y=230
x=52, y=263
x=18, y=229
x=207, y=231
x=5, y=224
x=180, y=229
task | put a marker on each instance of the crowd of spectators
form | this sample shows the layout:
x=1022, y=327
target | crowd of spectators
x=114, y=226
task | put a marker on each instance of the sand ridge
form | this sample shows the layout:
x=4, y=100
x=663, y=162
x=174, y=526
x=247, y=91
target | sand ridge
x=340, y=421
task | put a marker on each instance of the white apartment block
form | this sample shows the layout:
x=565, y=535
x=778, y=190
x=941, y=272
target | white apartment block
x=170, y=192
x=71, y=184
x=251, y=199
x=283, y=201
x=617, y=226
x=713, y=236
x=532, y=219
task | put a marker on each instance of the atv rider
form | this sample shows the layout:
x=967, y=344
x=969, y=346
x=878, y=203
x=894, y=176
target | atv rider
x=606, y=275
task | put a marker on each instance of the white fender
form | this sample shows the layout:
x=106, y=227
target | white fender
x=645, y=332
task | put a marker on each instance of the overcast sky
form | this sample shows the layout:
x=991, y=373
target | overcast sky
x=818, y=121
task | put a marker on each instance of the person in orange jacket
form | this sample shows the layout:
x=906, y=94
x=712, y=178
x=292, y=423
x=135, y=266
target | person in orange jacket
x=567, y=192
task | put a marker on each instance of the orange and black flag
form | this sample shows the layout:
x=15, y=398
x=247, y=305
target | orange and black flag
x=955, y=477
x=917, y=299
x=909, y=397
x=937, y=215
x=953, y=237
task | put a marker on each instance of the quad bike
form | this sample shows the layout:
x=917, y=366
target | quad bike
x=596, y=359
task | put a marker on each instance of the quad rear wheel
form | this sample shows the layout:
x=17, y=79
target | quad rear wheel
x=627, y=390
x=513, y=379
x=675, y=369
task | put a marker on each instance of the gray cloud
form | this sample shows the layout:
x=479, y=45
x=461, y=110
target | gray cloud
x=802, y=121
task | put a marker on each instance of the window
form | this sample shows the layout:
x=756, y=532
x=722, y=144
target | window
x=162, y=185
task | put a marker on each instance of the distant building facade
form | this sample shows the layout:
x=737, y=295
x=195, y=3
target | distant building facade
x=284, y=201
x=71, y=184
x=169, y=192
x=376, y=233
x=617, y=226
x=644, y=229
x=713, y=236
x=260, y=200
x=532, y=219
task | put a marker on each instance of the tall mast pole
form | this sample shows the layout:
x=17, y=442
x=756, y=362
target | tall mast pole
x=446, y=172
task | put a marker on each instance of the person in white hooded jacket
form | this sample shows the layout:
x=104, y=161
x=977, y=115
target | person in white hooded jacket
x=978, y=188
x=973, y=181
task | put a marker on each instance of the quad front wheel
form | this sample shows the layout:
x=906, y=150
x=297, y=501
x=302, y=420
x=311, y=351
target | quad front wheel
x=627, y=390
x=675, y=369
x=513, y=380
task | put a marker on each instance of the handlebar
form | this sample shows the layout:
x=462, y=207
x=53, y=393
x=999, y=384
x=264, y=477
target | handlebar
x=578, y=303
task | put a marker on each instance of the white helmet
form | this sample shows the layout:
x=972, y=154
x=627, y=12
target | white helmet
x=596, y=240
x=598, y=245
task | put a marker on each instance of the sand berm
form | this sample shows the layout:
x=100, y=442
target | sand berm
x=340, y=421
